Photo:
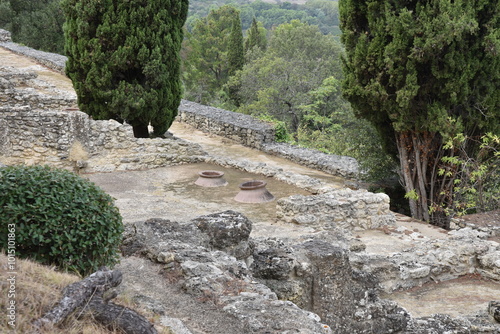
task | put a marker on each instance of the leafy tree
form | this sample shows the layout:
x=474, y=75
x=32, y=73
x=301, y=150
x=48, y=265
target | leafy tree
x=6, y=15
x=123, y=59
x=423, y=72
x=477, y=182
x=330, y=126
x=207, y=66
x=299, y=57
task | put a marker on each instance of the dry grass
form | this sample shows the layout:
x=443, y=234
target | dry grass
x=37, y=289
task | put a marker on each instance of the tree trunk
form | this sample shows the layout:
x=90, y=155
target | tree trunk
x=77, y=294
x=430, y=192
x=86, y=296
x=140, y=131
x=119, y=317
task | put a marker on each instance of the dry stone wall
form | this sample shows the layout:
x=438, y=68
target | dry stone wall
x=31, y=137
x=51, y=60
x=70, y=139
x=241, y=128
x=22, y=88
x=425, y=260
x=252, y=132
x=344, y=208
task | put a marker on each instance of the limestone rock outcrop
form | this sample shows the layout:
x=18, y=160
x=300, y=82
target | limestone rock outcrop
x=309, y=286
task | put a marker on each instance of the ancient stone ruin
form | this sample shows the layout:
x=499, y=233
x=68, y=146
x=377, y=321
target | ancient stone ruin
x=346, y=249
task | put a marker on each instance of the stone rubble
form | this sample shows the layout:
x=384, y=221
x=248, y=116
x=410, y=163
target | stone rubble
x=282, y=286
x=214, y=275
x=426, y=260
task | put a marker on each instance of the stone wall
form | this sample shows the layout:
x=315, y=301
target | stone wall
x=426, y=260
x=241, y=128
x=30, y=137
x=51, y=60
x=344, y=208
x=70, y=139
x=255, y=133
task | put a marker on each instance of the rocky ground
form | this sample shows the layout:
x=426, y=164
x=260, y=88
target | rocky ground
x=196, y=287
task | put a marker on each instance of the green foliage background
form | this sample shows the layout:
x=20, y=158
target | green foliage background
x=37, y=24
x=59, y=217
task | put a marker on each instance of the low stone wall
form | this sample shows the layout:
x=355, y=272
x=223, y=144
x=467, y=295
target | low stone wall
x=252, y=132
x=30, y=137
x=342, y=166
x=241, y=128
x=119, y=150
x=465, y=252
x=23, y=88
x=344, y=208
x=52, y=60
x=70, y=139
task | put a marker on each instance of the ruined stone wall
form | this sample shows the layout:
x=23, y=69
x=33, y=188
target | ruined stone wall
x=241, y=128
x=54, y=61
x=70, y=139
x=465, y=252
x=32, y=137
x=344, y=208
x=255, y=133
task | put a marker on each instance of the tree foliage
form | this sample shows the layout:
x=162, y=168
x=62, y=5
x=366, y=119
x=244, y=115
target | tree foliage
x=298, y=58
x=256, y=37
x=34, y=23
x=235, y=53
x=208, y=49
x=423, y=72
x=329, y=125
x=123, y=59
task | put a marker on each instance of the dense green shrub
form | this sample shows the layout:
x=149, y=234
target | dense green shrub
x=58, y=218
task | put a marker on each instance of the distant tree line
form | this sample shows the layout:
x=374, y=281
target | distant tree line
x=38, y=24
x=323, y=13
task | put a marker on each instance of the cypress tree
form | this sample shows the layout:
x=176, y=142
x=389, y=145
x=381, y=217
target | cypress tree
x=235, y=53
x=123, y=59
x=255, y=37
x=208, y=48
x=424, y=72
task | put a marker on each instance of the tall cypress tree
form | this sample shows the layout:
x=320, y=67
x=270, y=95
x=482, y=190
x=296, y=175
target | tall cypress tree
x=256, y=37
x=123, y=59
x=235, y=53
x=424, y=72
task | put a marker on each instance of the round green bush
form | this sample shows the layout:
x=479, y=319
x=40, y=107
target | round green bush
x=58, y=218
